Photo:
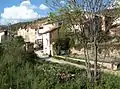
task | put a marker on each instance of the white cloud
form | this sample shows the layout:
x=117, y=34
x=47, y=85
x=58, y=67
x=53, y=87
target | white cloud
x=23, y=12
x=43, y=7
x=28, y=4
x=62, y=2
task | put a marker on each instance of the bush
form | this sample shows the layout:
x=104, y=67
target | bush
x=62, y=44
x=20, y=70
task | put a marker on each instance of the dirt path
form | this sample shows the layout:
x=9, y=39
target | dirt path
x=117, y=73
x=66, y=62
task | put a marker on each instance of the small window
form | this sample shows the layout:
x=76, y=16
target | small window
x=40, y=27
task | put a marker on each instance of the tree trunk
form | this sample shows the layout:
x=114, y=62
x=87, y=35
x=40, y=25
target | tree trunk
x=95, y=60
x=87, y=63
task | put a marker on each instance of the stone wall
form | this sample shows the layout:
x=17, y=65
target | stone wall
x=107, y=58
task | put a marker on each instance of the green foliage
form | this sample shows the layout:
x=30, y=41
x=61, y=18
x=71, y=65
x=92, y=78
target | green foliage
x=62, y=44
x=21, y=70
x=14, y=67
x=108, y=82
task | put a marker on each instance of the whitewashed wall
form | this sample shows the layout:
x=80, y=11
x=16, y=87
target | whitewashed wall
x=46, y=37
x=1, y=34
x=46, y=43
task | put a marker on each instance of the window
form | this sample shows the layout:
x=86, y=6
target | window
x=40, y=27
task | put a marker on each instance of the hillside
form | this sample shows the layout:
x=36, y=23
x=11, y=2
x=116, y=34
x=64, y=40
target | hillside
x=2, y=27
x=33, y=23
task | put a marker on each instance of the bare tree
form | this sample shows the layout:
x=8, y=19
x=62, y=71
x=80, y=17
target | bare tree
x=86, y=14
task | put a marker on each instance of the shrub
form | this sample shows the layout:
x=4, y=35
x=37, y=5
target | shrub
x=20, y=70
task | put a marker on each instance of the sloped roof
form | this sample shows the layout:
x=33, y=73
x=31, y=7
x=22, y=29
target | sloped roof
x=48, y=31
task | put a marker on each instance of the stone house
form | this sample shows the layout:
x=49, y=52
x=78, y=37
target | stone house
x=48, y=34
x=41, y=36
x=30, y=35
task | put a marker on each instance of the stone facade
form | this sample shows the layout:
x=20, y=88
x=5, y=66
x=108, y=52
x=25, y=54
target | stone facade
x=42, y=35
x=28, y=34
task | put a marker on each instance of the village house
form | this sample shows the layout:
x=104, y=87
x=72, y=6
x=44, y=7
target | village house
x=48, y=34
x=41, y=36
x=2, y=33
x=29, y=34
